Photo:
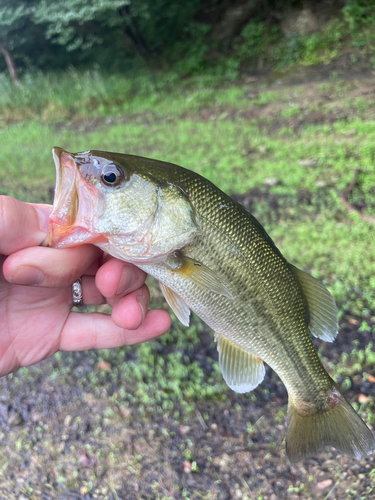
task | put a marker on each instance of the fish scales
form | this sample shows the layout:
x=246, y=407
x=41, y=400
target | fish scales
x=213, y=257
x=228, y=233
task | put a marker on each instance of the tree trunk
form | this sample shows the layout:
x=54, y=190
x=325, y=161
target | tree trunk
x=10, y=64
x=131, y=28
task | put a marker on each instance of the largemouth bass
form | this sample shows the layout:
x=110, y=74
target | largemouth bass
x=213, y=257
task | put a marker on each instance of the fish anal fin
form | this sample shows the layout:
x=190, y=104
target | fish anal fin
x=198, y=273
x=321, y=305
x=241, y=370
x=175, y=302
x=337, y=425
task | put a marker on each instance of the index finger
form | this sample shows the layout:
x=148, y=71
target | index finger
x=22, y=225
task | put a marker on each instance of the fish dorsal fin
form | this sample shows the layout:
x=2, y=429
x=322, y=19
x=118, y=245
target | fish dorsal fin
x=322, y=307
x=198, y=273
x=175, y=302
x=241, y=371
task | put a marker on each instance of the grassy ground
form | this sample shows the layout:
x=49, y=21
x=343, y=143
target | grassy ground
x=157, y=421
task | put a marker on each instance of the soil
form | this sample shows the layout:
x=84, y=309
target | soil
x=237, y=446
x=63, y=437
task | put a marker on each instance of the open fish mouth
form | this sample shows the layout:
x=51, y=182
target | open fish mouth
x=67, y=226
x=65, y=205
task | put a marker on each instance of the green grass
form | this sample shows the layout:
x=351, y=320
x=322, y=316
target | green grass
x=202, y=129
x=60, y=97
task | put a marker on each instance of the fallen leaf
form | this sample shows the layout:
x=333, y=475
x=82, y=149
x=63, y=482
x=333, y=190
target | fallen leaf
x=125, y=412
x=353, y=321
x=86, y=460
x=370, y=378
x=324, y=484
x=184, y=429
x=187, y=466
x=362, y=398
x=104, y=366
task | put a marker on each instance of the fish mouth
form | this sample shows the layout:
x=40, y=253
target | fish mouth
x=65, y=229
x=65, y=205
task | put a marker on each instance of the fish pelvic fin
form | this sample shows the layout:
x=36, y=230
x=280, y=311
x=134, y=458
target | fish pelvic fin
x=176, y=303
x=241, y=370
x=338, y=425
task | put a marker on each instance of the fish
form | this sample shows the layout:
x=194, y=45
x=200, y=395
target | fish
x=212, y=257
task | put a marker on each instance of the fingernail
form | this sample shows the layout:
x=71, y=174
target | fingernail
x=43, y=216
x=26, y=275
x=141, y=299
x=126, y=280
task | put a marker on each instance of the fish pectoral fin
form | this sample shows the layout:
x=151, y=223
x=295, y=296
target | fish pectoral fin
x=198, y=273
x=322, y=307
x=242, y=371
x=175, y=302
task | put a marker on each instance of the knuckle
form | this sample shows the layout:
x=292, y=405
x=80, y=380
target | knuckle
x=7, y=209
x=5, y=202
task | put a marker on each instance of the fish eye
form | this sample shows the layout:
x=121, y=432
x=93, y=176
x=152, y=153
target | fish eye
x=112, y=175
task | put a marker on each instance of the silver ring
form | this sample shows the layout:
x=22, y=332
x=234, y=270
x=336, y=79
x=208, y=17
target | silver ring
x=77, y=293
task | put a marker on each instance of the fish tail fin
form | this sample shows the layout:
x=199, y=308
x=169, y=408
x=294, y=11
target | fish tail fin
x=336, y=425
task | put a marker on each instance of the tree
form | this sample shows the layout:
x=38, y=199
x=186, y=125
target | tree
x=13, y=18
x=9, y=61
x=147, y=25
x=57, y=33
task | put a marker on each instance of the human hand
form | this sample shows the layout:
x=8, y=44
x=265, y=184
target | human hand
x=36, y=294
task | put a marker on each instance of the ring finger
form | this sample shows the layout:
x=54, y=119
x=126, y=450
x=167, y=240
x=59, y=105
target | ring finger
x=90, y=294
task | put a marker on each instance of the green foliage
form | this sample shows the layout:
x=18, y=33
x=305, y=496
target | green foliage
x=77, y=23
x=260, y=40
x=15, y=26
x=147, y=25
x=110, y=33
x=255, y=40
x=123, y=34
x=358, y=13
x=360, y=16
x=321, y=47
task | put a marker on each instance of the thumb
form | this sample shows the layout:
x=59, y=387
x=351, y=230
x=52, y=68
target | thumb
x=22, y=225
